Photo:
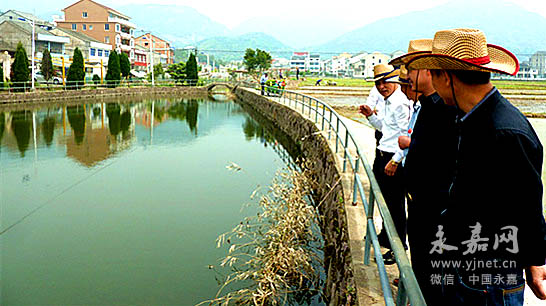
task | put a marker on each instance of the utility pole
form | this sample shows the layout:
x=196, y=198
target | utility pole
x=152, y=58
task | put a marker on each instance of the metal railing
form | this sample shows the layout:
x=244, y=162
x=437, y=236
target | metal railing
x=330, y=121
x=89, y=84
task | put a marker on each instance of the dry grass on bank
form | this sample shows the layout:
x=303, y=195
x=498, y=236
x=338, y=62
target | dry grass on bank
x=273, y=255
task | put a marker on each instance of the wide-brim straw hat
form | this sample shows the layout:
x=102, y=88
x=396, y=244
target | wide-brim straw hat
x=416, y=47
x=465, y=49
x=385, y=72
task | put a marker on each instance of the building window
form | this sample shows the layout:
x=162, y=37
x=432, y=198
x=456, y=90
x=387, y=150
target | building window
x=107, y=27
x=90, y=27
x=132, y=43
x=84, y=14
x=92, y=51
x=131, y=32
x=118, y=39
x=84, y=27
x=107, y=39
x=118, y=28
x=74, y=27
x=100, y=52
x=106, y=53
x=146, y=44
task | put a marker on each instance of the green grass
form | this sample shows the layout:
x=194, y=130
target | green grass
x=340, y=82
x=501, y=84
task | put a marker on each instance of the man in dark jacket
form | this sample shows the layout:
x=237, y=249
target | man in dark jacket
x=428, y=168
x=493, y=226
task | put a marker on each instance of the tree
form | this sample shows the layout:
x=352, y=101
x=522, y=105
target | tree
x=177, y=71
x=124, y=65
x=21, y=73
x=191, y=70
x=263, y=59
x=158, y=71
x=250, y=60
x=47, y=66
x=113, y=75
x=76, y=73
x=1, y=78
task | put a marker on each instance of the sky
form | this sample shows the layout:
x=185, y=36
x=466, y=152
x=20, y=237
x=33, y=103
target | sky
x=346, y=14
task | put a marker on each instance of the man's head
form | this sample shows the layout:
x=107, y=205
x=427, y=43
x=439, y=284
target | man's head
x=405, y=84
x=421, y=81
x=446, y=82
x=386, y=79
x=265, y=74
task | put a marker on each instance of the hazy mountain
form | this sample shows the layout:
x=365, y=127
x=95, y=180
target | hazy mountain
x=296, y=32
x=232, y=48
x=504, y=23
x=182, y=25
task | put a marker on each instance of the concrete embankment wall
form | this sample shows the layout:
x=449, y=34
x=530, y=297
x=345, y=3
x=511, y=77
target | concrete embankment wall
x=340, y=281
x=41, y=97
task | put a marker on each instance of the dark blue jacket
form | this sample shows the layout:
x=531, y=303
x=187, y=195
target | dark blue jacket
x=497, y=182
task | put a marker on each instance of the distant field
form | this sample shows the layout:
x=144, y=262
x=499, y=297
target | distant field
x=501, y=84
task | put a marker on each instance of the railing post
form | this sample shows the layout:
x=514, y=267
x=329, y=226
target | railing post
x=357, y=163
x=323, y=114
x=368, y=241
x=337, y=134
x=316, y=110
x=330, y=126
x=402, y=297
x=346, y=147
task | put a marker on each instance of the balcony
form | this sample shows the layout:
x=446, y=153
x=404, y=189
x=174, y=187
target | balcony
x=121, y=21
x=125, y=35
x=125, y=47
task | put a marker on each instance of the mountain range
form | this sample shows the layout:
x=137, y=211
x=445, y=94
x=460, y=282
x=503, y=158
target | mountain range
x=504, y=23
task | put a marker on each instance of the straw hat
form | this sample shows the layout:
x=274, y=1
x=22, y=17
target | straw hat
x=416, y=47
x=404, y=75
x=385, y=72
x=465, y=49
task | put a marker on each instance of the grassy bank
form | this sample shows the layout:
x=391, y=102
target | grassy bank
x=501, y=84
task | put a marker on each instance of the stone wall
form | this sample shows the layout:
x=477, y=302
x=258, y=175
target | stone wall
x=339, y=288
x=39, y=97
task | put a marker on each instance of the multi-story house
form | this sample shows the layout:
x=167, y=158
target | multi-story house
x=299, y=60
x=527, y=72
x=159, y=46
x=538, y=62
x=314, y=64
x=13, y=32
x=141, y=60
x=95, y=53
x=102, y=23
x=22, y=16
x=364, y=67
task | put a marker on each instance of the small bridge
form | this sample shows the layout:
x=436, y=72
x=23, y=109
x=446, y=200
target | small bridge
x=227, y=85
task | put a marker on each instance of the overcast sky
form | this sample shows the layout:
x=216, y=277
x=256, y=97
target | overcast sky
x=350, y=14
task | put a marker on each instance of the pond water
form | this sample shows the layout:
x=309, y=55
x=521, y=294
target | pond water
x=121, y=203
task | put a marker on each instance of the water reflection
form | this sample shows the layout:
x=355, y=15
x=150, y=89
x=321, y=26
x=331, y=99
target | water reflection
x=21, y=123
x=2, y=125
x=113, y=112
x=48, y=129
x=76, y=118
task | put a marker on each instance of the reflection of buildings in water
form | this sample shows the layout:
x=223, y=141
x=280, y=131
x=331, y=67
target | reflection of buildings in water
x=103, y=138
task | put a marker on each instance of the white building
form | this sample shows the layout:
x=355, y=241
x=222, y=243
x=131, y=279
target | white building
x=527, y=72
x=363, y=68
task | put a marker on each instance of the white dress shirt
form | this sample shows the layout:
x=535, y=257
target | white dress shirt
x=376, y=102
x=396, y=117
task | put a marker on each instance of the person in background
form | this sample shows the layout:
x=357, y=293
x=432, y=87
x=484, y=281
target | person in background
x=263, y=80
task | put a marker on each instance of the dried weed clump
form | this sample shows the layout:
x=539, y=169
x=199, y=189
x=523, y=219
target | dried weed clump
x=273, y=255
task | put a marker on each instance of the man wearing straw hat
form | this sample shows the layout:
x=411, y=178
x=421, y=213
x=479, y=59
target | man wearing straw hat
x=386, y=167
x=493, y=225
x=428, y=168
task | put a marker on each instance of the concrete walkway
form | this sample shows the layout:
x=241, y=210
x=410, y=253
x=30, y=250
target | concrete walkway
x=369, y=290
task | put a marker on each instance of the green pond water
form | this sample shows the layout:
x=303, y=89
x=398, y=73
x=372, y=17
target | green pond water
x=121, y=203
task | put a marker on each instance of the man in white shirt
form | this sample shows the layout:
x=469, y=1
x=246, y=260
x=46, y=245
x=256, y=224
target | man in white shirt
x=376, y=102
x=387, y=167
x=263, y=80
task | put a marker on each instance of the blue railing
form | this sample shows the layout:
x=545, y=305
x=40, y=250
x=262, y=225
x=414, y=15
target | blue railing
x=330, y=121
